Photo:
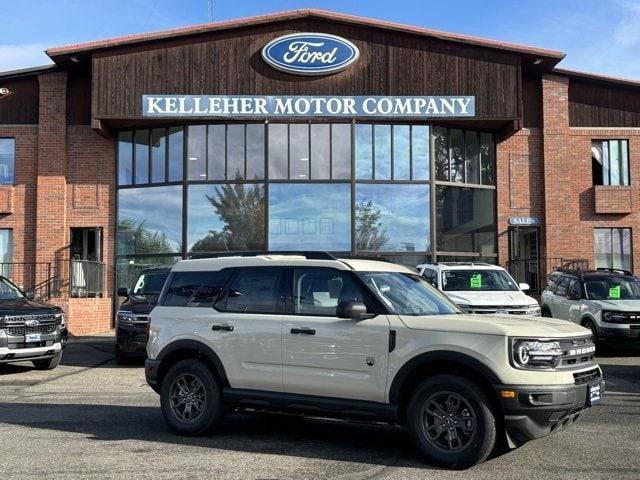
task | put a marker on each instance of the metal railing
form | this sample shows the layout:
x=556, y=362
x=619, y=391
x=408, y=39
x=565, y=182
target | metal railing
x=86, y=278
x=36, y=277
x=534, y=271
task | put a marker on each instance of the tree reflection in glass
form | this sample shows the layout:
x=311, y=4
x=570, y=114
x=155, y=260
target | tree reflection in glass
x=226, y=218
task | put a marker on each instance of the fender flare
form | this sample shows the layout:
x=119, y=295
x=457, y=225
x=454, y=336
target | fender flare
x=202, y=350
x=438, y=356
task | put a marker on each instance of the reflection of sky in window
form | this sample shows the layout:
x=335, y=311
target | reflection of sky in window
x=309, y=217
x=202, y=215
x=420, y=152
x=364, y=145
x=401, y=152
x=160, y=208
x=383, y=151
x=404, y=213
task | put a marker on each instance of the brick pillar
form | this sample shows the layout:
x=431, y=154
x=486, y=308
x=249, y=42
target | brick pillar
x=51, y=173
x=561, y=201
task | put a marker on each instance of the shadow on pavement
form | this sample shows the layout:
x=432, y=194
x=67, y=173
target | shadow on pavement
x=257, y=433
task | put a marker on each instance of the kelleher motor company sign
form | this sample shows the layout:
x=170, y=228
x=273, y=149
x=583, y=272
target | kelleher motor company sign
x=306, y=106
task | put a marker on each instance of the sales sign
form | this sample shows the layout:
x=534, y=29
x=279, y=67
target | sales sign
x=306, y=106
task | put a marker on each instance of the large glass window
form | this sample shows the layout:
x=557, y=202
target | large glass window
x=227, y=217
x=466, y=220
x=7, y=160
x=613, y=248
x=318, y=291
x=392, y=218
x=341, y=187
x=6, y=249
x=310, y=217
x=149, y=220
x=610, y=162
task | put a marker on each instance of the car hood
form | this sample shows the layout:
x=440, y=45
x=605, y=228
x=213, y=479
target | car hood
x=24, y=306
x=619, y=305
x=504, y=325
x=505, y=298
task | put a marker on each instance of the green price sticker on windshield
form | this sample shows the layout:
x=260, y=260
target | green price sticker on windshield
x=614, y=292
x=476, y=281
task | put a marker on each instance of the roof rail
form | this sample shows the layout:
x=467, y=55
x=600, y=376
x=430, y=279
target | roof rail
x=614, y=270
x=309, y=255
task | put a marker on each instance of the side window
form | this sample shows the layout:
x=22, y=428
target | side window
x=574, y=289
x=552, y=282
x=561, y=290
x=431, y=276
x=318, y=291
x=253, y=290
x=195, y=289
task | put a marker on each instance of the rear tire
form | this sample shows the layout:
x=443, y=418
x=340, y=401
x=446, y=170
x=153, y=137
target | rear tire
x=191, y=398
x=545, y=313
x=49, y=363
x=451, y=421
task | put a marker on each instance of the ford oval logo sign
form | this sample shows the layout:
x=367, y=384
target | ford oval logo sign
x=310, y=53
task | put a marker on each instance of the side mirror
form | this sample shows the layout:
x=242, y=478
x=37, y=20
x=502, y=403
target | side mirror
x=30, y=295
x=524, y=287
x=123, y=292
x=353, y=310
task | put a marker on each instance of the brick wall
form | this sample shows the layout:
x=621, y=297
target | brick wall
x=64, y=179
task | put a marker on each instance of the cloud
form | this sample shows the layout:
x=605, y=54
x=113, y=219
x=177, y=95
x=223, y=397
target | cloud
x=13, y=57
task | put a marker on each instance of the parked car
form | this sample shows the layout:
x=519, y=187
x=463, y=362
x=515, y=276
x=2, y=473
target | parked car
x=605, y=301
x=132, y=318
x=30, y=331
x=480, y=288
x=360, y=339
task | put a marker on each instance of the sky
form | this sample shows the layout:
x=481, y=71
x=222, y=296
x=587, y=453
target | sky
x=599, y=36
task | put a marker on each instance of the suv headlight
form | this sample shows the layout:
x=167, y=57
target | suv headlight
x=614, y=317
x=535, y=354
x=125, y=318
x=60, y=319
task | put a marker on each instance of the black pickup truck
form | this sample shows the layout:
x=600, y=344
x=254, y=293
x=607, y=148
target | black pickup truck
x=30, y=331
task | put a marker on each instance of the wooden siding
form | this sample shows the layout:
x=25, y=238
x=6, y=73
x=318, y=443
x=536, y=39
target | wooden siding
x=532, y=100
x=600, y=105
x=21, y=107
x=229, y=62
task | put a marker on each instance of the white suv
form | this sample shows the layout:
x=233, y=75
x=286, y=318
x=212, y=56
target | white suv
x=480, y=288
x=360, y=339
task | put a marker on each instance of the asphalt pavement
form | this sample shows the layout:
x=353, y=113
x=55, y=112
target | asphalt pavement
x=90, y=418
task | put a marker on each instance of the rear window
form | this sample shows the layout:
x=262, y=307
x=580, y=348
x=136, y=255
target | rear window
x=195, y=289
x=253, y=290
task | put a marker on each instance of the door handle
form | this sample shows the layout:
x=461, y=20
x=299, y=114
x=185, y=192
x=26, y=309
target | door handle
x=303, y=331
x=223, y=328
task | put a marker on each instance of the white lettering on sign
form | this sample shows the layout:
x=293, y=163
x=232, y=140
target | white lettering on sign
x=306, y=106
x=300, y=52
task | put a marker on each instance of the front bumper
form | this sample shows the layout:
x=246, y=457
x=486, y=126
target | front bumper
x=537, y=411
x=28, y=354
x=131, y=339
x=626, y=333
x=151, y=368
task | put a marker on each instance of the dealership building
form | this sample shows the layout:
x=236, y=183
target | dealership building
x=309, y=130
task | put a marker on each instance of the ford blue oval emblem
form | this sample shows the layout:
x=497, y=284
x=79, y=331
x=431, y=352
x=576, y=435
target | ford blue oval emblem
x=310, y=53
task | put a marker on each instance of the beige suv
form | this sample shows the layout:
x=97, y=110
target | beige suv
x=361, y=339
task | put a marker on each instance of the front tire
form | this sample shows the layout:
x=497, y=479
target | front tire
x=451, y=421
x=49, y=363
x=191, y=398
x=594, y=332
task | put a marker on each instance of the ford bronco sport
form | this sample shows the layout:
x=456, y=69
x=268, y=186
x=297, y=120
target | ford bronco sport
x=30, y=331
x=361, y=339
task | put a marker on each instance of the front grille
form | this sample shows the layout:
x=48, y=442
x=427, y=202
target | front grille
x=577, y=352
x=22, y=330
x=587, y=376
x=17, y=325
x=493, y=309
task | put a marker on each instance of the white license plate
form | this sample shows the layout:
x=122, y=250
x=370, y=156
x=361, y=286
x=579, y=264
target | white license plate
x=32, y=338
x=594, y=394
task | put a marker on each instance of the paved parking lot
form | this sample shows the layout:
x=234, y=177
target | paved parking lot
x=91, y=418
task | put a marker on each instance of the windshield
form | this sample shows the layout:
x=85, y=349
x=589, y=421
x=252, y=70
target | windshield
x=407, y=294
x=618, y=288
x=8, y=291
x=478, y=280
x=150, y=284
